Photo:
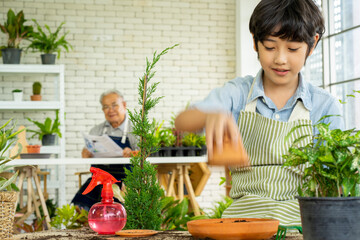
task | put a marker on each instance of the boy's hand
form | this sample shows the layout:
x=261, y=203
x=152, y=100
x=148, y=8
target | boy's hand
x=217, y=125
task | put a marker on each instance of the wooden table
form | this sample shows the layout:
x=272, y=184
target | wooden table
x=180, y=166
x=87, y=233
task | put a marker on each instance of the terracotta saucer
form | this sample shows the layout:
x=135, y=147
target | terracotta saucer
x=233, y=228
x=136, y=233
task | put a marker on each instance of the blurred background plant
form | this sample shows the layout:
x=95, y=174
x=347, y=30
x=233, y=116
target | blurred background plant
x=49, y=43
x=164, y=137
x=7, y=139
x=70, y=217
x=15, y=29
x=193, y=139
x=47, y=128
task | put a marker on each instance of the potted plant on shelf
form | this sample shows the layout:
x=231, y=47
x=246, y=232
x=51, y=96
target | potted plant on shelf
x=47, y=130
x=16, y=31
x=8, y=190
x=196, y=144
x=49, y=43
x=36, y=88
x=164, y=139
x=330, y=195
x=17, y=95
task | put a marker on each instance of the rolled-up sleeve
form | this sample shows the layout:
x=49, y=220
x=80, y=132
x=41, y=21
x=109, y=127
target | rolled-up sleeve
x=230, y=98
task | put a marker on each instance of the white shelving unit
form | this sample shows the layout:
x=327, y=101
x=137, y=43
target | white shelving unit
x=57, y=104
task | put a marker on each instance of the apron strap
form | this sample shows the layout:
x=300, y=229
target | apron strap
x=251, y=106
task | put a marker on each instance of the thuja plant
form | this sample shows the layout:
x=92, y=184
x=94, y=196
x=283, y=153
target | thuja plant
x=143, y=193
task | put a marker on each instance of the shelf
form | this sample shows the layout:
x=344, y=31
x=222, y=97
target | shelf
x=54, y=74
x=29, y=105
x=31, y=68
x=50, y=149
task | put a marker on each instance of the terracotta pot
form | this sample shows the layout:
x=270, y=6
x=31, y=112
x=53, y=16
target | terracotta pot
x=229, y=156
x=233, y=228
x=35, y=97
x=33, y=148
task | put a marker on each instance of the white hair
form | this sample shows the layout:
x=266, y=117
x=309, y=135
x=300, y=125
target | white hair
x=111, y=91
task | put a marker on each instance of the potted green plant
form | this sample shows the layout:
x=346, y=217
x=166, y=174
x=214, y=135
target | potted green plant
x=196, y=143
x=143, y=192
x=164, y=139
x=17, y=95
x=36, y=88
x=47, y=130
x=49, y=43
x=329, y=197
x=8, y=190
x=16, y=31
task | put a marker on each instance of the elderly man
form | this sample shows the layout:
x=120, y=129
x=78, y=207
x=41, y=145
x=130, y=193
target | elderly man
x=116, y=124
x=118, y=127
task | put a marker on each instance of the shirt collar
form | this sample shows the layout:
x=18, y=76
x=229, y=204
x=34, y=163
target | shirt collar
x=302, y=92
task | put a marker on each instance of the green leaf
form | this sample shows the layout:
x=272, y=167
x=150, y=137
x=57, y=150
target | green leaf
x=5, y=183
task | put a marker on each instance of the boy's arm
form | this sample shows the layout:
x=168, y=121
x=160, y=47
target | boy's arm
x=216, y=125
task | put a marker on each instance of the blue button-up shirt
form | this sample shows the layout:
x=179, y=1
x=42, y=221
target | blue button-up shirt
x=233, y=97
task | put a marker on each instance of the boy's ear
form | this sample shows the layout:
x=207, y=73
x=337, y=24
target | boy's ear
x=315, y=43
x=254, y=43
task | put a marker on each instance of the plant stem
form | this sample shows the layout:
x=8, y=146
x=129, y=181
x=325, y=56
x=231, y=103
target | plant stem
x=142, y=139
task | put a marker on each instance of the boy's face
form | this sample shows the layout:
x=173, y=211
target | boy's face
x=282, y=60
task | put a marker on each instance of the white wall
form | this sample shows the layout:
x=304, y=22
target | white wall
x=247, y=62
x=111, y=40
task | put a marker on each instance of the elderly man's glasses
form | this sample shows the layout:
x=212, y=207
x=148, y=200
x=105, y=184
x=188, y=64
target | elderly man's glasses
x=113, y=106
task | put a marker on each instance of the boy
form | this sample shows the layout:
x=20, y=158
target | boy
x=263, y=110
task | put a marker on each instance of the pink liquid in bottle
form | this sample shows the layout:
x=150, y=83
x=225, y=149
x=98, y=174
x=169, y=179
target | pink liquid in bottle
x=107, y=218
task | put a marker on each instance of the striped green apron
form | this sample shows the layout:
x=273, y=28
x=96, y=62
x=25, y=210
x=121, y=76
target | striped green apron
x=268, y=190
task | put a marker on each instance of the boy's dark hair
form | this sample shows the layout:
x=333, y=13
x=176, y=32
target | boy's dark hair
x=297, y=20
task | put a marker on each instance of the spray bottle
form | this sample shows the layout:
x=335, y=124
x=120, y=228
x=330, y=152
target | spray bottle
x=106, y=217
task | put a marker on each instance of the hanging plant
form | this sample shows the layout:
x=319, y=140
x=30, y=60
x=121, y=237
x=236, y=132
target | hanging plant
x=143, y=193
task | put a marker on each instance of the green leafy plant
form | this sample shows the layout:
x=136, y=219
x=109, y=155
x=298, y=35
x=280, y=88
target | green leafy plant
x=36, y=226
x=51, y=42
x=218, y=209
x=223, y=180
x=175, y=214
x=48, y=127
x=332, y=161
x=17, y=90
x=193, y=139
x=51, y=207
x=15, y=29
x=143, y=192
x=164, y=137
x=69, y=216
x=36, y=87
x=7, y=139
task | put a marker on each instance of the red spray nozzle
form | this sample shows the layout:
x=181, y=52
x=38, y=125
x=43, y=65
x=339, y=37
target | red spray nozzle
x=106, y=179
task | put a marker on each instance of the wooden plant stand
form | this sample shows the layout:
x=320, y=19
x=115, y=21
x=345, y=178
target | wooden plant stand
x=30, y=174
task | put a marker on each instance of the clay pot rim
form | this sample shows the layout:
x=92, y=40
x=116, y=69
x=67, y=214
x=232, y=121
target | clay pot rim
x=33, y=146
x=232, y=221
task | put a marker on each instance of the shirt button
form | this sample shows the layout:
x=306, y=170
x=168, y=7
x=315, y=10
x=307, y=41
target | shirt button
x=277, y=116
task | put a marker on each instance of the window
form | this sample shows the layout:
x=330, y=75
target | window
x=335, y=64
